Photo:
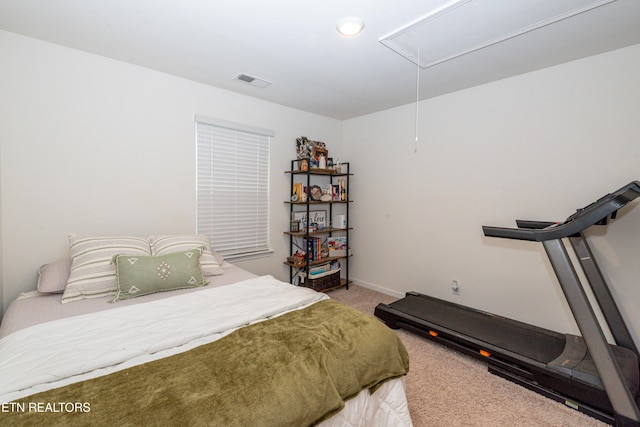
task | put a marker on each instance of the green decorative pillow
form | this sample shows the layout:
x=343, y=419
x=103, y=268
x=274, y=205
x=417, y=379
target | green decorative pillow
x=142, y=275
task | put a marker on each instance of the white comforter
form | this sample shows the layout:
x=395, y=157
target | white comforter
x=61, y=352
x=43, y=354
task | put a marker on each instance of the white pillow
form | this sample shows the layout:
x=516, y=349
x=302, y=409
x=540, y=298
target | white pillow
x=92, y=273
x=210, y=261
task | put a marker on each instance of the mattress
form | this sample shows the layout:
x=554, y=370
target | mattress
x=43, y=316
x=32, y=308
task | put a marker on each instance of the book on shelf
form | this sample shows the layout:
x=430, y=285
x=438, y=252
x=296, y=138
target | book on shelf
x=314, y=247
x=297, y=189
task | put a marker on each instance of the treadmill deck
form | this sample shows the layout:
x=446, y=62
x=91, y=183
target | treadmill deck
x=531, y=342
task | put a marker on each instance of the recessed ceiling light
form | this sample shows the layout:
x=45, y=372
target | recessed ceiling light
x=350, y=26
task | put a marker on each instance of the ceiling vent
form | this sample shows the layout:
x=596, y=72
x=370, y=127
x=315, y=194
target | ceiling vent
x=464, y=26
x=252, y=81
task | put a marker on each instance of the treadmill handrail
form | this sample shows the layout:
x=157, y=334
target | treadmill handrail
x=576, y=223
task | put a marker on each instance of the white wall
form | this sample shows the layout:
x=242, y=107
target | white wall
x=537, y=146
x=1, y=293
x=92, y=146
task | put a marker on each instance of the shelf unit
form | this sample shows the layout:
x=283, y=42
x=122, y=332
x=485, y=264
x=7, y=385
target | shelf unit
x=297, y=239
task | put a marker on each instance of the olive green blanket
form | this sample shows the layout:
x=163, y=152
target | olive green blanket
x=294, y=370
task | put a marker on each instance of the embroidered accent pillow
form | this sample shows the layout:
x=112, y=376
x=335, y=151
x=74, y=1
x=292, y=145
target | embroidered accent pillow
x=210, y=262
x=92, y=274
x=143, y=275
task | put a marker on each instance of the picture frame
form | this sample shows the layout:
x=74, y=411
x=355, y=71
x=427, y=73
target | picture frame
x=335, y=192
x=315, y=217
x=304, y=147
x=315, y=192
x=320, y=151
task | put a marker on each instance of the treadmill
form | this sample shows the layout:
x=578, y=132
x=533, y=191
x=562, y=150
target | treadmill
x=584, y=372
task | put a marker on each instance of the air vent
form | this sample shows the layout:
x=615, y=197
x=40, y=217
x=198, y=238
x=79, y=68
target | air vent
x=252, y=81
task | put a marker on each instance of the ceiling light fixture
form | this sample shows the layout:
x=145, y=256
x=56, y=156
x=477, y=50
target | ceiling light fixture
x=350, y=26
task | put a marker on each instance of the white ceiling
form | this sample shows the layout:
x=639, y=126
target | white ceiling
x=294, y=44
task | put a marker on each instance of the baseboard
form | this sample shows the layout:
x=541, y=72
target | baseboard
x=377, y=288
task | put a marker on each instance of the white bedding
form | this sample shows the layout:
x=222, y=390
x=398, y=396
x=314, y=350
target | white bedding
x=32, y=308
x=60, y=352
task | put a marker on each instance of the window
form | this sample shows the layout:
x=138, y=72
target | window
x=233, y=187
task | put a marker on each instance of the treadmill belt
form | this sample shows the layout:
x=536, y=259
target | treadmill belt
x=529, y=341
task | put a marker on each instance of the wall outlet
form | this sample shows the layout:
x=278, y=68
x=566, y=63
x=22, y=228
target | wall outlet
x=455, y=287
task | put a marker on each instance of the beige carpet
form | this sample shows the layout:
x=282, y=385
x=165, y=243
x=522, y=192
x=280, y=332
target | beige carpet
x=446, y=388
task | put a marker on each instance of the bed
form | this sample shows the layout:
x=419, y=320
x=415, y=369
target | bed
x=229, y=348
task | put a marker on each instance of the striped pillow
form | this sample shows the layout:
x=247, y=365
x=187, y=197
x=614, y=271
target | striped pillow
x=210, y=261
x=92, y=274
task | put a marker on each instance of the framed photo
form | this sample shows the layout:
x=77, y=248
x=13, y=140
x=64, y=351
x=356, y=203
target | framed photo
x=317, y=217
x=304, y=147
x=315, y=192
x=320, y=151
x=335, y=192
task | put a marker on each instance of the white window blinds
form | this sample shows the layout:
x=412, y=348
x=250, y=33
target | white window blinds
x=233, y=187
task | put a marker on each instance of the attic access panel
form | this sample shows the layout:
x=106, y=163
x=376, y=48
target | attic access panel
x=464, y=26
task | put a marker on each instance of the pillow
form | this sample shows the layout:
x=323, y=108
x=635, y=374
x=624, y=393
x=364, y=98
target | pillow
x=52, y=277
x=210, y=261
x=143, y=275
x=92, y=274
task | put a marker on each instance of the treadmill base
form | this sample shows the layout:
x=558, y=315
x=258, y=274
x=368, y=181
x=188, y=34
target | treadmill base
x=522, y=356
x=534, y=386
